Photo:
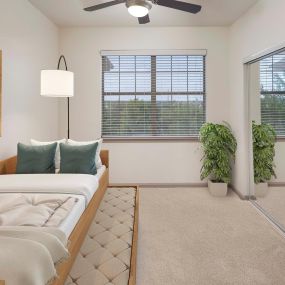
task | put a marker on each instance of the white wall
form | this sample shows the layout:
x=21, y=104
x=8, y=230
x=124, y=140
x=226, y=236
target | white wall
x=29, y=42
x=260, y=28
x=142, y=162
x=254, y=92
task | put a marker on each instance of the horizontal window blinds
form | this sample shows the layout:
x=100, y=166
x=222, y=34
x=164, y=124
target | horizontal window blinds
x=272, y=89
x=152, y=95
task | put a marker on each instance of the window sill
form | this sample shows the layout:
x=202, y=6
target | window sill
x=150, y=139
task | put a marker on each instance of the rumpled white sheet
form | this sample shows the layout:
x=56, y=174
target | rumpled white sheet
x=28, y=255
x=34, y=209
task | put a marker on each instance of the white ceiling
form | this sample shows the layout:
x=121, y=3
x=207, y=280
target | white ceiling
x=69, y=13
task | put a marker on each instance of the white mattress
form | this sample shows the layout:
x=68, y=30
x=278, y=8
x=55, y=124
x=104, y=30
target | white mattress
x=72, y=219
x=22, y=183
x=79, y=184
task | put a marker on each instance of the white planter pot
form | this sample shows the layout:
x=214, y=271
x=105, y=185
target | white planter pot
x=261, y=189
x=218, y=189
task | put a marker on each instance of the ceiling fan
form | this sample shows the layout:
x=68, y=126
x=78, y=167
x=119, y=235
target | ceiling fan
x=140, y=8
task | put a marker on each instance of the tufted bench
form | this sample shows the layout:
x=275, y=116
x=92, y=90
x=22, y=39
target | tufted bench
x=108, y=254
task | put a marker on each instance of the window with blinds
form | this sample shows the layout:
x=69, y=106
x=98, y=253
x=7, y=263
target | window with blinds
x=153, y=96
x=272, y=85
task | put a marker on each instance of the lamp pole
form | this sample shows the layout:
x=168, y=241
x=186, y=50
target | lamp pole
x=58, y=67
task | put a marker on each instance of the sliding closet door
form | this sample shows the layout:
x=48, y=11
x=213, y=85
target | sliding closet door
x=266, y=89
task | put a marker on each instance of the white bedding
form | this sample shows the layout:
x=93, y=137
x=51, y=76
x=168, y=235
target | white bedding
x=100, y=171
x=29, y=255
x=79, y=184
x=37, y=210
x=69, y=223
x=73, y=217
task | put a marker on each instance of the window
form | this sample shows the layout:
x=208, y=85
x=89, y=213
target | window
x=153, y=96
x=272, y=86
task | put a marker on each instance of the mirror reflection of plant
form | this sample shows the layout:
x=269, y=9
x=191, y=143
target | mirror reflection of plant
x=264, y=138
x=219, y=147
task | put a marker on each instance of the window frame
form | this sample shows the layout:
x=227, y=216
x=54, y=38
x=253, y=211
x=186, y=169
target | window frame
x=153, y=95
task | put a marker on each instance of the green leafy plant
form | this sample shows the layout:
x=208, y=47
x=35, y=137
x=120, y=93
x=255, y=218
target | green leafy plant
x=264, y=137
x=219, y=147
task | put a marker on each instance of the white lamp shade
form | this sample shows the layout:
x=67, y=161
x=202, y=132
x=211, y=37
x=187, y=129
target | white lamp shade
x=57, y=83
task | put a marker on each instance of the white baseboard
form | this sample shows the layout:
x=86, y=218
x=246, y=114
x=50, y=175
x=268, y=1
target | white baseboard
x=181, y=185
x=164, y=185
x=276, y=184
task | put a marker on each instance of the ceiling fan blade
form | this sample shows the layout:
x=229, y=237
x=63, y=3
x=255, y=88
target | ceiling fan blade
x=179, y=5
x=144, y=20
x=103, y=5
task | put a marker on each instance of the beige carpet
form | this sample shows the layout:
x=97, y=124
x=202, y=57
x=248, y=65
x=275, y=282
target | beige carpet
x=188, y=237
x=274, y=204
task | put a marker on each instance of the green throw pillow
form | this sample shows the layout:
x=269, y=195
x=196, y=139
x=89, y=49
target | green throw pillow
x=78, y=159
x=35, y=159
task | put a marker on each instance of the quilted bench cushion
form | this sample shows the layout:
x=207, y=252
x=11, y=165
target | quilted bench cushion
x=105, y=255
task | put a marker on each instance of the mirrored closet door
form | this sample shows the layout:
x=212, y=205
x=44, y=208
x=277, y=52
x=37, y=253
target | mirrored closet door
x=266, y=91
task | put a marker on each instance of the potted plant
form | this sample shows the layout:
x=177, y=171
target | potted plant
x=264, y=137
x=219, y=147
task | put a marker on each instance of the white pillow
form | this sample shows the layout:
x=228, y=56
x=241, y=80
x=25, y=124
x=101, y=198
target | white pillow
x=97, y=155
x=57, y=152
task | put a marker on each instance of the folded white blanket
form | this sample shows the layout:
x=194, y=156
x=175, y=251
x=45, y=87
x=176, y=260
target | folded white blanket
x=28, y=255
x=51, y=230
x=34, y=209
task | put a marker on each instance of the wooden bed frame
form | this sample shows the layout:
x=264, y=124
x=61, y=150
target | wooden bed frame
x=78, y=234
x=133, y=264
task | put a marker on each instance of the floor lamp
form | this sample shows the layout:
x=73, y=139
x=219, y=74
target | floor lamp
x=58, y=83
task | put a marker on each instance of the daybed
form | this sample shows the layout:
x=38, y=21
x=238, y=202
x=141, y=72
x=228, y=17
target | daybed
x=77, y=235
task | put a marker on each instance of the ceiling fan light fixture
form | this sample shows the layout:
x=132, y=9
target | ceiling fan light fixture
x=138, y=8
x=138, y=11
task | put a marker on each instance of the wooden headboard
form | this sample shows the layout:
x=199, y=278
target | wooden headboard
x=8, y=166
x=104, y=154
